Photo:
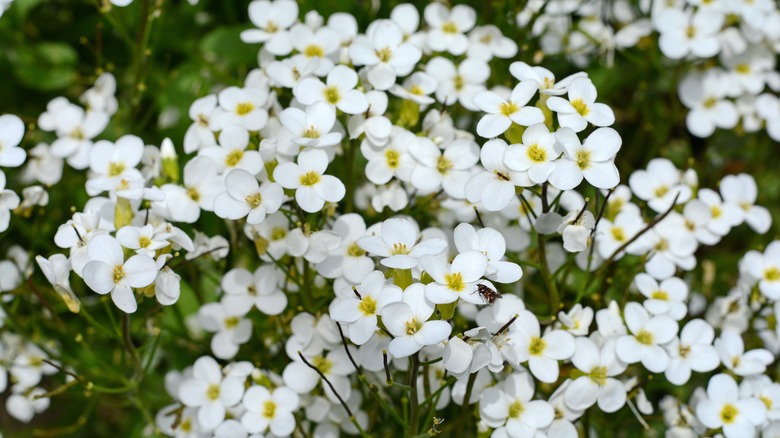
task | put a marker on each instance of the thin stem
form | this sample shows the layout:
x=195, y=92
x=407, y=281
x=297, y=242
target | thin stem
x=505, y=327
x=330, y=385
x=388, y=377
x=552, y=288
x=414, y=403
x=346, y=348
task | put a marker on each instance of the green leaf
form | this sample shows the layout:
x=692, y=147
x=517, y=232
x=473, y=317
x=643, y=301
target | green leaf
x=225, y=45
x=46, y=66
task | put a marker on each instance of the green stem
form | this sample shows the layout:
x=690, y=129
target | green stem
x=465, y=418
x=552, y=289
x=414, y=403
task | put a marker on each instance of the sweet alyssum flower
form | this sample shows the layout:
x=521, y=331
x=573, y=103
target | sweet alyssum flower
x=596, y=385
x=312, y=187
x=273, y=20
x=11, y=133
x=210, y=392
x=448, y=169
x=385, y=54
x=508, y=406
x=272, y=410
x=592, y=159
x=312, y=127
x=541, y=351
x=408, y=321
x=109, y=272
x=581, y=107
x=502, y=113
x=232, y=151
x=648, y=334
x=447, y=27
x=397, y=244
x=244, y=107
x=360, y=313
x=693, y=351
x=725, y=408
x=456, y=281
x=339, y=91
x=494, y=187
x=536, y=155
x=245, y=197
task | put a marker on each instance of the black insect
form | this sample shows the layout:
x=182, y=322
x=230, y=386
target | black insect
x=489, y=295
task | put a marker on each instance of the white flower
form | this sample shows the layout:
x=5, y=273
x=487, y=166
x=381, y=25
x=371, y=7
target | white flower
x=705, y=96
x=461, y=83
x=486, y=42
x=392, y=158
x=541, y=352
x=336, y=367
x=494, y=187
x=731, y=350
x=647, y=335
x=492, y=244
x=509, y=405
x=339, y=92
x=397, y=244
x=502, y=113
x=668, y=297
x=108, y=272
x=312, y=127
x=593, y=159
x=244, y=107
x=348, y=259
x=577, y=321
x=671, y=247
x=458, y=280
x=270, y=410
x=448, y=26
x=210, y=392
x=448, y=169
x=408, y=322
x=597, y=385
x=23, y=405
x=543, y=78
x=245, y=197
x=143, y=240
x=724, y=408
x=230, y=327
x=385, y=54
x=11, y=133
x=536, y=155
x=243, y=290
x=360, y=313
x=232, y=151
x=201, y=187
x=581, y=107
x=576, y=228
x=56, y=269
x=417, y=88
x=312, y=187
x=315, y=44
x=273, y=19
x=9, y=200
x=75, y=129
x=693, y=351
x=741, y=191
x=684, y=32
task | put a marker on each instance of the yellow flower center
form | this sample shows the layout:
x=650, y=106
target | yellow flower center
x=384, y=54
x=244, y=108
x=399, y=248
x=231, y=322
x=271, y=27
x=144, y=241
x=581, y=107
x=234, y=157
x=743, y=69
x=516, y=409
x=393, y=158
x=193, y=194
x=119, y=273
x=767, y=401
x=690, y=31
x=115, y=169
x=310, y=178
x=537, y=347
x=508, y=108
x=644, y=337
x=583, y=159
x=771, y=274
x=77, y=133
x=332, y=95
x=278, y=233
x=449, y=27
x=661, y=190
x=443, y=165
x=254, y=200
x=716, y=211
x=311, y=132
x=660, y=295
x=710, y=102
x=455, y=281
x=662, y=245
x=413, y=326
x=212, y=393
x=618, y=234
x=598, y=375
x=367, y=306
x=536, y=154
x=355, y=251
x=684, y=350
x=458, y=82
x=313, y=50
x=729, y=413
x=417, y=90
x=322, y=364
x=269, y=409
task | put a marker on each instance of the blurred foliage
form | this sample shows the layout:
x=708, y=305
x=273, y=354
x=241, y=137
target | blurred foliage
x=51, y=48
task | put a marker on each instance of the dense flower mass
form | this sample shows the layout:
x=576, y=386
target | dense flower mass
x=402, y=229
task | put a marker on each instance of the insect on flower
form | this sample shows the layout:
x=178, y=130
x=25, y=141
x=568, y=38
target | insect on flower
x=489, y=295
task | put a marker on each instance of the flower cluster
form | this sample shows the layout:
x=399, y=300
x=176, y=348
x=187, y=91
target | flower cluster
x=368, y=237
